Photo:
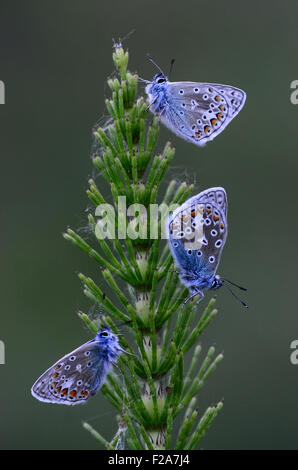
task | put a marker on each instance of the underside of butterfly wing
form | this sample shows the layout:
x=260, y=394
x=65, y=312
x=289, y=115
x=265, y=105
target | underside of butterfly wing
x=217, y=196
x=197, y=234
x=198, y=112
x=74, y=378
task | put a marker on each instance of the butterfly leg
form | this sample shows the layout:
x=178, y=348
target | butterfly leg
x=196, y=292
x=150, y=104
x=163, y=110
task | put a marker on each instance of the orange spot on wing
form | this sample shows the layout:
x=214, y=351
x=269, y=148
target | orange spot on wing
x=198, y=134
x=208, y=211
x=217, y=98
x=222, y=225
x=73, y=393
x=55, y=375
x=58, y=367
x=58, y=389
x=213, y=121
x=206, y=129
x=221, y=107
x=193, y=213
x=215, y=218
x=65, y=391
x=219, y=115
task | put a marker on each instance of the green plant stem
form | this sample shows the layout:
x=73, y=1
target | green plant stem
x=148, y=296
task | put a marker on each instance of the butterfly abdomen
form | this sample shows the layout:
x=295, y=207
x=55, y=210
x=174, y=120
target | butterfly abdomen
x=202, y=281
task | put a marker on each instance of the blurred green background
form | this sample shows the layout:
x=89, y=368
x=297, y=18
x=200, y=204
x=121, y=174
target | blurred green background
x=55, y=57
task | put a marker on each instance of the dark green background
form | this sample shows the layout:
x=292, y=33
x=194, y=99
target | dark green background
x=54, y=59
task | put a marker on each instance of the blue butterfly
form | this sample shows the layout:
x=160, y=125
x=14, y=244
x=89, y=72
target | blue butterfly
x=197, y=232
x=195, y=111
x=81, y=373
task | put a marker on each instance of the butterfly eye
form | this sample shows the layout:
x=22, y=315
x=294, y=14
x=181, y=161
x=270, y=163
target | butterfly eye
x=160, y=80
x=104, y=334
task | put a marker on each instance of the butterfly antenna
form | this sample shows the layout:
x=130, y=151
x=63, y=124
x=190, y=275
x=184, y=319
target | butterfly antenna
x=103, y=301
x=154, y=63
x=101, y=309
x=236, y=296
x=233, y=284
x=171, y=67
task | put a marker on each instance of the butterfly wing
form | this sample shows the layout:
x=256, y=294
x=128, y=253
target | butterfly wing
x=75, y=377
x=198, y=112
x=217, y=195
x=197, y=234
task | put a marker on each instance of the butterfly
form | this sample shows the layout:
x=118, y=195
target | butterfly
x=197, y=232
x=195, y=111
x=81, y=373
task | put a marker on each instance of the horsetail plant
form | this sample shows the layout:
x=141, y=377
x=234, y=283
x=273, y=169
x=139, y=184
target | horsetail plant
x=154, y=389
